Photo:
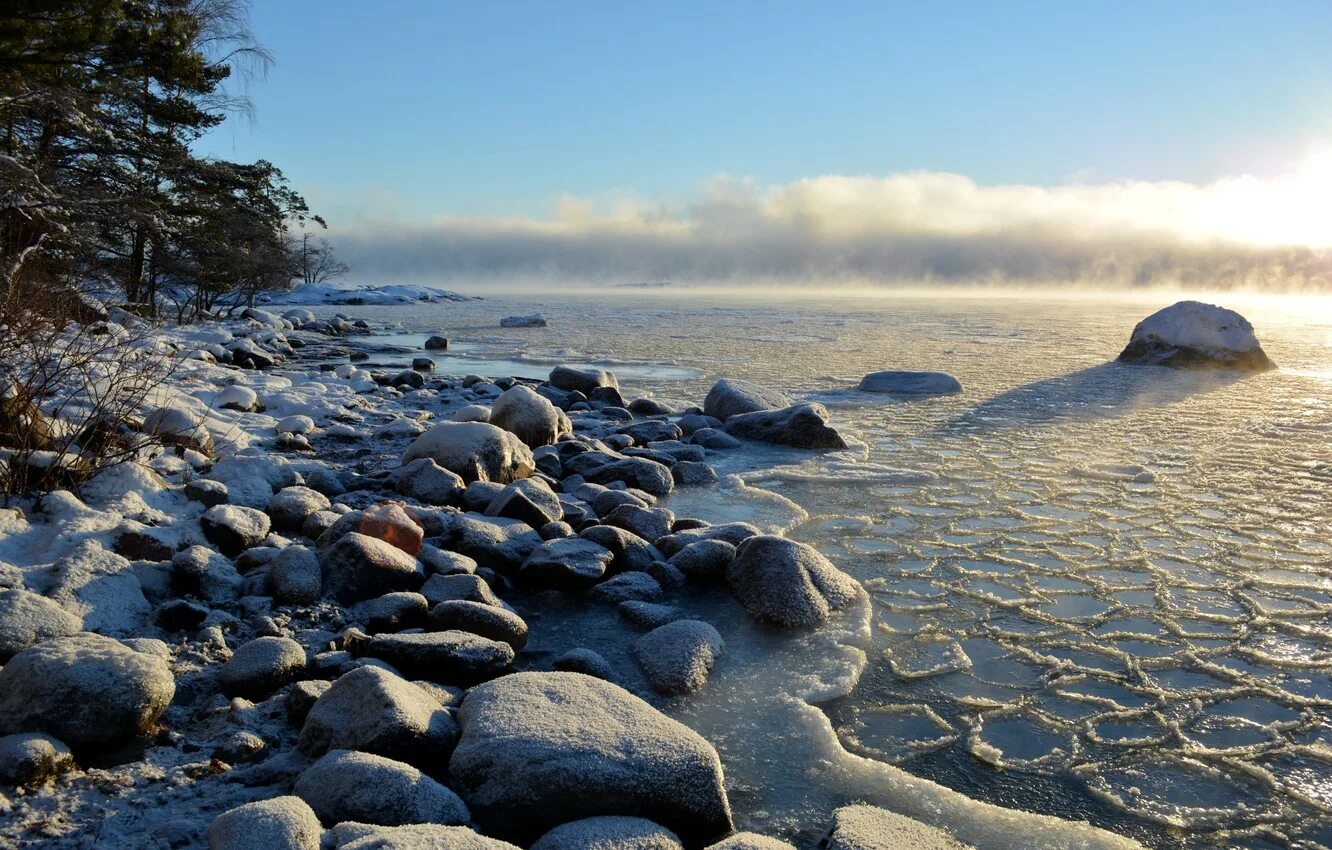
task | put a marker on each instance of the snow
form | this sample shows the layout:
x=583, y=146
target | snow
x=313, y=294
x=1191, y=333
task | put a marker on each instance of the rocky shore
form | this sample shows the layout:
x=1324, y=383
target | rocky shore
x=302, y=620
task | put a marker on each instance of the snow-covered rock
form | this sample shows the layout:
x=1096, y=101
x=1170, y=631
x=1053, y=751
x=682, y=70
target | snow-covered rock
x=750, y=841
x=298, y=424
x=87, y=690
x=178, y=426
x=730, y=397
x=804, y=426
x=236, y=397
x=910, y=383
x=100, y=587
x=788, y=583
x=862, y=827
x=472, y=413
x=531, y=417
x=476, y=451
x=314, y=294
x=27, y=618
x=1191, y=334
x=351, y=786
x=233, y=528
x=279, y=822
x=534, y=320
x=541, y=749
x=292, y=505
x=677, y=657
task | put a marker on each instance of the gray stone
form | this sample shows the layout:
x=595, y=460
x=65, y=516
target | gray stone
x=430, y=483
x=589, y=662
x=392, y=612
x=199, y=571
x=530, y=500
x=803, y=426
x=630, y=553
x=415, y=836
x=350, y=786
x=360, y=567
x=476, y=451
x=584, y=381
x=729, y=398
x=295, y=576
x=704, y=559
x=713, y=438
x=646, y=475
x=497, y=541
x=488, y=621
x=750, y=841
x=291, y=505
x=627, y=586
x=909, y=383
x=788, y=583
x=374, y=711
x=609, y=833
x=692, y=473
x=452, y=657
x=262, y=666
x=647, y=523
x=676, y=657
x=233, y=528
x=567, y=563
x=31, y=758
x=460, y=586
x=100, y=587
x=529, y=416
x=26, y=619
x=279, y=823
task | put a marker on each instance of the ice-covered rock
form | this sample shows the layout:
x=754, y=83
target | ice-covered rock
x=27, y=618
x=909, y=383
x=374, y=711
x=862, y=827
x=609, y=832
x=451, y=657
x=728, y=398
x=788, y=583
x=677, y=657
x=476, y=451
x=647, y=523
x=294, y=576
x=566, y=563
x=360, y=567
x=472, y=413
x=530, y=500
x=416, y=836
x=1191, y=334
x=479, y=618
x=233, y=528
x=87, y=690
x=504, y=543
x=541, y=749
x=804, y=426
x=393, y=523
x=528, y=416
x=261, y=666
x=351, y=786
x=629, y=552
x=428, y=482
x=585, y=381
x=100, y=587
x=625, y=587
x=291, y=505
x=315, y=294
x=534, y=320
x=279, y=822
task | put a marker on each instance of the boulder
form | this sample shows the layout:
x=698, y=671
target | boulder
x=350, y=786
x=360, y=567
x=729, y=398
x=804, y=426
x=566, y=563
x=374, y=711
x=27, y=618
x=609, y=833
x=585, y=381
x=279, y=823
x=704, y=559
x=295, y=577
x=476, y=451
x=535, y=320
x=488, y=621
x=100, y=587
x=292, y=505
x=31, y=758
x=471, y=413
x=89, y=691
x=862, y=827
x=496, y=541
x=909, y=383
x=450, y=657
x=641, y=473
x=788, y=583
x=262, y=666
x=416, y=836
x=530, y=500
x=541, y=749
x=1194, y=335
x=430, y=483
x=233, y=529
x=677, y=656
x=528, y=416
x=437, y=343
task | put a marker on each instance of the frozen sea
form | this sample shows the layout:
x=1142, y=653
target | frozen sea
x=1096, y=591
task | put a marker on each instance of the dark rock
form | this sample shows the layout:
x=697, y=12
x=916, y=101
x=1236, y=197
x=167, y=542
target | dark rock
x=804, y=426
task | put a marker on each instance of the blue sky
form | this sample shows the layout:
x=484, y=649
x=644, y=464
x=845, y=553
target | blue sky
x=414, y=109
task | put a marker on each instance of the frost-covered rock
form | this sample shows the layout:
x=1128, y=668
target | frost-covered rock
x=31, y=758
x=87, y=690
x=100, y=587
x=428, y=482
x=530, y=417
x=788, y=583
x=804, y=426
x=530, y=500
x=451, y=657
x=350, y=786
x=476, y=451
x=585, y=381
x=374, y=711
x=416, y=836
x=393, y=523
x=178, y=426
x=647, y=523
x=199, y=571
x=734, y=533
x=910, y=383
x=534, y=320
x=704, y=559
x=443, y=588
x=472, y=413
x=625, y=587
x=479, y=618
x=1191, y=334
x=360, y=567
x=262, y=666
x=498, y=541
x=609, y=833
x=295, y=577
x=286, y=822
x=677, y=657
x=233, y=528
x=750, y=841
x=27, y=618
x=566, y=563
x=542, y=749
x=862, y=827
x=638, y=472
x=728, y=398
x=291, y=505
x=629, y=552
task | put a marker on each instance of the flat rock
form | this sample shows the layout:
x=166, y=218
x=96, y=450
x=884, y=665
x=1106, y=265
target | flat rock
x=729, y=398
x=452, y=657
x=566, y=563
x=909, y=383
x=788, y=583
x=351, y=786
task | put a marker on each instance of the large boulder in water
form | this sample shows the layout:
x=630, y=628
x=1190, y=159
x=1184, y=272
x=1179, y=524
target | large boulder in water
x=89, y=691
x=728, y=398
x=804, y=426
x=909, y=383
x=475, y=451
x=581, y=380
x=542, y=749
x=1194, y=335
x=529, y=416
x=787, y=583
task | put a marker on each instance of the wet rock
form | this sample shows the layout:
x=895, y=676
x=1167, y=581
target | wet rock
x=530, y=500
x=31, y=758
x=910, y=383
x=1194, y=335
x=359, y=567
x=437, y=343
x=262, y=666
x=233, y=529
x=568, y=563
x=476, y=451
x=704, y=560
x=350, y=786
x=584, y=381
x=787, y=583
x=677, y=656
x=530, y=417
x=87, y=690
x=374, y=711
x=729, y=398
x=862, y=827
x=279, y=823
x=290, y=507
x=428, y=482
x=479, y=618
x=27, y=618
x=541, y=749
x=450, y=656
x=295, y=576
x=609, y=833
x=803, y=426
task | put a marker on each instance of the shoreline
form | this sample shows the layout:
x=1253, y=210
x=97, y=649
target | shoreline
x=392, y=423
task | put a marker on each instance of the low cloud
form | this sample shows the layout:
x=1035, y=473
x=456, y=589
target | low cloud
x=904, y=228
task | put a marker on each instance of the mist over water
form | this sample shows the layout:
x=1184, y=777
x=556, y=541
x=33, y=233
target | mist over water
x=1095, y=591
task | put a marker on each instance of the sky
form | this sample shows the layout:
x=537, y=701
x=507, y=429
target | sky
x=688, y=139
